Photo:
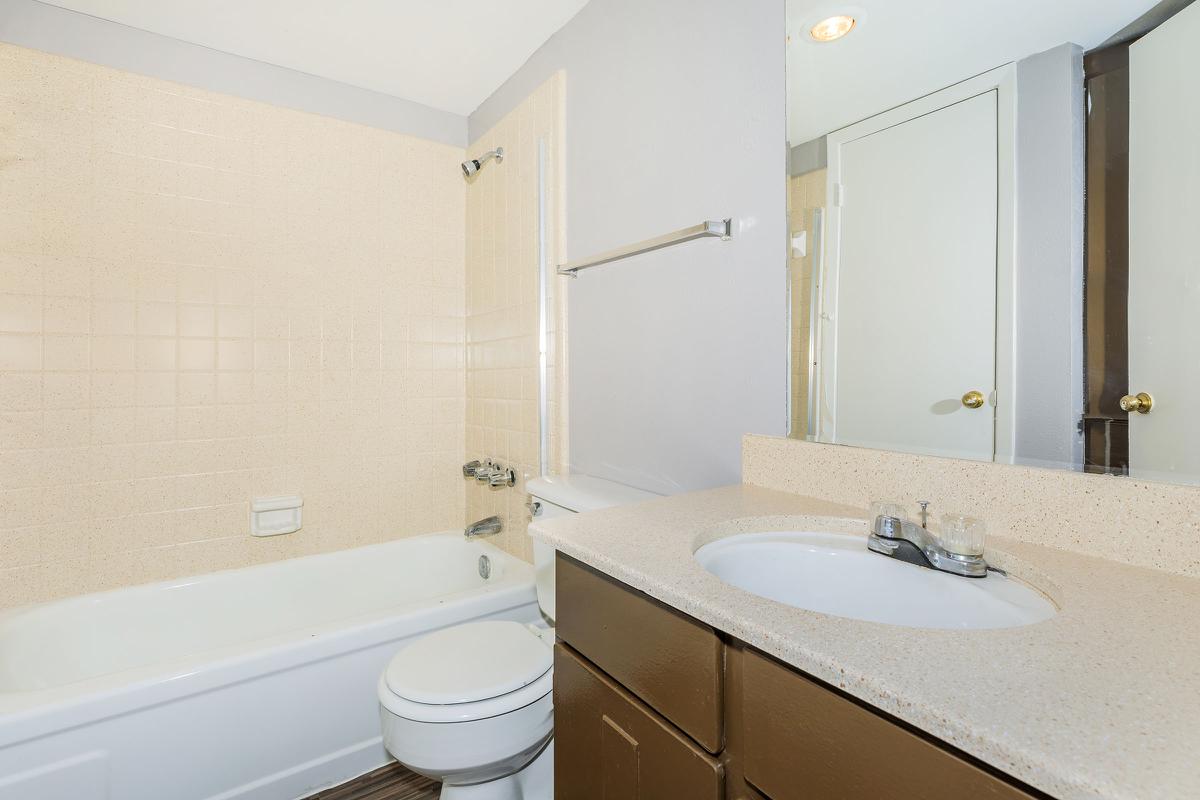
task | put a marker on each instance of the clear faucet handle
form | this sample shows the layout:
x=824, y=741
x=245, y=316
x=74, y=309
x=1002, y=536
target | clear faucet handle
x=962, y=535
x=887, y=508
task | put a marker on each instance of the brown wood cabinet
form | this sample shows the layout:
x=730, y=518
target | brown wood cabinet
x=671, y=661
x=803, y=740
x=615, y=747
x=651, y=704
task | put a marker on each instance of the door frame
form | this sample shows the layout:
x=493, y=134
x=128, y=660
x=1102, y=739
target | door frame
x=1001, y=80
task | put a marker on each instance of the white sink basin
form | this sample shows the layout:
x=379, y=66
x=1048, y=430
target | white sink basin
x=835, y=573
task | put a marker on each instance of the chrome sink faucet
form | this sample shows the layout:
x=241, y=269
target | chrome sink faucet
x=959, y=550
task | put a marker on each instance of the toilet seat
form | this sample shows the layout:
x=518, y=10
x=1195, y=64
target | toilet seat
x=468, y=672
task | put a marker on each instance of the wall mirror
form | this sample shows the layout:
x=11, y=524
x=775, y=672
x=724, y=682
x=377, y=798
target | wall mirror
x=994, y=222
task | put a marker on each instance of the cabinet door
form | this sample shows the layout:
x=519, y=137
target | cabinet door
x=666, y=658
x=806, y=742
x=608, y=745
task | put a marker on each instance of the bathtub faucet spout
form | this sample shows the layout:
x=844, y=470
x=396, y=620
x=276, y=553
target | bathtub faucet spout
x=484, y=527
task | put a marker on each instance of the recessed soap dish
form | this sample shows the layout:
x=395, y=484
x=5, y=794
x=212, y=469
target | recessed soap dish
x=271, y=516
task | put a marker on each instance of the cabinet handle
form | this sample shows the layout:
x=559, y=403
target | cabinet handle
x=622, y=762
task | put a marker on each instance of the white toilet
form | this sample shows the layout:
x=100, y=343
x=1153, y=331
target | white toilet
x=471, y=705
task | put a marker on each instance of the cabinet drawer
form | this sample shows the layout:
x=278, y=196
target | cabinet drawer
x=671, y=661
x=608, y=745
x=804, y=741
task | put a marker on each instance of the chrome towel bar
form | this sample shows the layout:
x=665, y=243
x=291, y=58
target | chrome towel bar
x=722, y=229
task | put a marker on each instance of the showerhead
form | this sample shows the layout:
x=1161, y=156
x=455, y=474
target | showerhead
x=473, y=165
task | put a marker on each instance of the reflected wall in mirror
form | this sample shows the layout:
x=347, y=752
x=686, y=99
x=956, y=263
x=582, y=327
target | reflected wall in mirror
x=993, y=239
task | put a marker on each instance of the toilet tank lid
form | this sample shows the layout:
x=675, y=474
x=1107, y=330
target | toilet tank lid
x=582, y=493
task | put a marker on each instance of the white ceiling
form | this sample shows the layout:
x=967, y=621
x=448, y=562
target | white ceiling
x=448, y=54
x=905, y=49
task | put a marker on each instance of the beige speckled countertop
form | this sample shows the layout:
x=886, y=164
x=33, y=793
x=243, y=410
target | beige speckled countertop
x=1102, y=701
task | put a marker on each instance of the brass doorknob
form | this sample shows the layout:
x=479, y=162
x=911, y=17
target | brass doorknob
x=973, y=399
x=1140, y=402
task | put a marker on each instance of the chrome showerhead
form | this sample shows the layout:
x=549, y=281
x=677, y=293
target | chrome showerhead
x=473, y=165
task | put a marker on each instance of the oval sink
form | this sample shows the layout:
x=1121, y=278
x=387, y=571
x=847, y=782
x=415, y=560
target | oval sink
x=835, y=573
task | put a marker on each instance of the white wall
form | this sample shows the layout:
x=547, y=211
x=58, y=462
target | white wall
x=1049, y=275
x=68, y=33
x=674, y=113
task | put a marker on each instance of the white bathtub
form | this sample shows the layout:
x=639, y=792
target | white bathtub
x=252, y=683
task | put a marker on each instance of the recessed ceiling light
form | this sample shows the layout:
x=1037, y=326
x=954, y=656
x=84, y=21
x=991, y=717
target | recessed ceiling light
x=832, y=28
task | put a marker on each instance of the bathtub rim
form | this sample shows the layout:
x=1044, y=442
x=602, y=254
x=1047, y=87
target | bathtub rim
x=185, y=580
x=28, y=714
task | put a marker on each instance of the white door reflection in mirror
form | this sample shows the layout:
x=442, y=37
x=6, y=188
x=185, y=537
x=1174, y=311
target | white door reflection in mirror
x=1164, y=249
x=909, y=289
x=1000, y=215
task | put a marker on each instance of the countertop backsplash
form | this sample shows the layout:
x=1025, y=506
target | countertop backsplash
x=1135, y=522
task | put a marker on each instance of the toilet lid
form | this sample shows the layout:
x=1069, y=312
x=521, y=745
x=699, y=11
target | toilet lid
x=467, y=663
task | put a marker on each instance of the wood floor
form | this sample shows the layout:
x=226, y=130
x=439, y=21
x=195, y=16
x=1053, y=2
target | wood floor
x=392, y=782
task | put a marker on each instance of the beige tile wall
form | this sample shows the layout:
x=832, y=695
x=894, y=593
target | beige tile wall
x=203, y=299
x=805, y=194
x=502, y=307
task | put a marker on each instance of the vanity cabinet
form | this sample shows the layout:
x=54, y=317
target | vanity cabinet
x=803, y=740
x=674, y=663
x=651, y=704
x=614, y=746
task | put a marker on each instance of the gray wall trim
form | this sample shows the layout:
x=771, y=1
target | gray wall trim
x=51, y=29
x=808, y=157
x=1145, y=23
x=1049, y=272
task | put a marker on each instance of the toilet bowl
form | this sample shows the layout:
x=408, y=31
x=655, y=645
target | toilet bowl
x=471, y=705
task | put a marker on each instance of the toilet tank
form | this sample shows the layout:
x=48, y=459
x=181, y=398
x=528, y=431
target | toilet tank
x=560, y=495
